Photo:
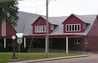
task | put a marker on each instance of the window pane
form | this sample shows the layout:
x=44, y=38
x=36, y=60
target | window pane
x=44, y=28
x=75, y=27
x=36, y=28
x=78, y=27
x=72, y=27
x=41, y=28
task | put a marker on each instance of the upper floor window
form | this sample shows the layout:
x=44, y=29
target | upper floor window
x=40, y=28
x=73, y=27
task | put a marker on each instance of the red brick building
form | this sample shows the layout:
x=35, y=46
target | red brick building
x=80, y=31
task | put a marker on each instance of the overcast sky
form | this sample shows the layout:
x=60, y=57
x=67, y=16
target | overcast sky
x=60, y=7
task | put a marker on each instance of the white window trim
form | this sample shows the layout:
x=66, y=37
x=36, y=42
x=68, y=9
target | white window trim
x=70, y=29
x=40, y=28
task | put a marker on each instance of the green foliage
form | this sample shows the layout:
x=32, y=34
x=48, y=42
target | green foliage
x=9, y=10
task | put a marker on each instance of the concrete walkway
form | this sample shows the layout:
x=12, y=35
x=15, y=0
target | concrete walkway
x=49, y=59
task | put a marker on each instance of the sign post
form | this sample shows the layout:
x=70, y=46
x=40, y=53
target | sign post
x=19, y=39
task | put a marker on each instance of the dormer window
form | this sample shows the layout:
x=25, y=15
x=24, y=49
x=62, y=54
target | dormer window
x=40, y=28
x=73, y=27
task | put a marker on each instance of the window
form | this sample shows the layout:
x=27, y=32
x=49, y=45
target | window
x=40, y=28
x=44, y=28
x=77, y=41
x=72, y=27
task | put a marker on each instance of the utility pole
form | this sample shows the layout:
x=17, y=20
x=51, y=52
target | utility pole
x=47, y=37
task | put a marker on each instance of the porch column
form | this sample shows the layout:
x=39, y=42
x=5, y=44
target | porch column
x=24, y=42
x=4, y=28
x=4, y=32
x=66, y=45
x=4, y=42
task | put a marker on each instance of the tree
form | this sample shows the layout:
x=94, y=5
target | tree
x=8, y=11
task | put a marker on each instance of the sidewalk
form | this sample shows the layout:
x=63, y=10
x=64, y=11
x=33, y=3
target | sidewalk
x=49, y=59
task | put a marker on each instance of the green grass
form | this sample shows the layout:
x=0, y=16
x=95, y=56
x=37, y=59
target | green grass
x=6, y=57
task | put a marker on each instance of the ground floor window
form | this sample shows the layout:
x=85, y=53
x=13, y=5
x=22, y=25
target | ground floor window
x=77, y=41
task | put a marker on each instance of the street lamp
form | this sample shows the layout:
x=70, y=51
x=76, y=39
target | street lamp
x=14, y=45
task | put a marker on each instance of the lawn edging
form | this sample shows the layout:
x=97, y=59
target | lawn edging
x=50, y=59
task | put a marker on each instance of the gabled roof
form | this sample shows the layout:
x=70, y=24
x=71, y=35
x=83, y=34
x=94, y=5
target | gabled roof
x=37, y=19
x=85, y=18
x=25, y=21
x=56, y=20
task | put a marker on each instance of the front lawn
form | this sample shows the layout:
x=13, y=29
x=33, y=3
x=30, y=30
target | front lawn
x=6, y=56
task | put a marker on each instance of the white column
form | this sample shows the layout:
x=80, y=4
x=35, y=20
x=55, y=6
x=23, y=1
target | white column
x=4, y=42
x=4, y=28
x=24, y=42
x=66, y=45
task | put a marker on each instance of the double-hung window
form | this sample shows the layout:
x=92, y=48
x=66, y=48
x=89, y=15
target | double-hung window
x=73, y=27
x=77, y=41
x=40, y=28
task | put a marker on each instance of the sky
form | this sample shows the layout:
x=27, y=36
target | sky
x=60, y=7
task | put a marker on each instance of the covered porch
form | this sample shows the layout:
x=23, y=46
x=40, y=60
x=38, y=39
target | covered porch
x=64, y=44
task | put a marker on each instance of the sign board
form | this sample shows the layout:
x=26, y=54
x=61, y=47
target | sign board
x=19, y=35
x=19, y=40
